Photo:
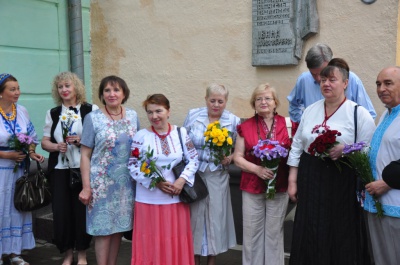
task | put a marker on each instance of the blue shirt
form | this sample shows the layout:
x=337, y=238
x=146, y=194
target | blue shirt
x=385, y=147
x=307, y=91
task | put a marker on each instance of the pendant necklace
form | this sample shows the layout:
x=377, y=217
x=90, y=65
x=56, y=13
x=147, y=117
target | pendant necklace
x=320, y=129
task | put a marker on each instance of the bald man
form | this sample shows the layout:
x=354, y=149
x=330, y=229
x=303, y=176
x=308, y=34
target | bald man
x=385, y=147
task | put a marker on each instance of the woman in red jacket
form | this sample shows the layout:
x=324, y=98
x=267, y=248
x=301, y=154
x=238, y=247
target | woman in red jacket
x=262, y=218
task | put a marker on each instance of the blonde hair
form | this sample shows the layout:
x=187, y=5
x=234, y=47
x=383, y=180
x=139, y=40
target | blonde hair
x=76, y=81
x=261, y=89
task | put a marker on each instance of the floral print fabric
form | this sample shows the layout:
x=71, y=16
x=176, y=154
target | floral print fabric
x=111, y=208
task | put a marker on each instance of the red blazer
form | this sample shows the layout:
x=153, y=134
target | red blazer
x=248, y=130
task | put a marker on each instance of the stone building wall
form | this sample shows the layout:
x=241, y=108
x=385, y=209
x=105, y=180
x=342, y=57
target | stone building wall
x=178, y=47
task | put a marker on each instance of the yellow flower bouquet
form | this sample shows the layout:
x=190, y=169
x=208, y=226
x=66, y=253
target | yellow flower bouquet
x=219, y=141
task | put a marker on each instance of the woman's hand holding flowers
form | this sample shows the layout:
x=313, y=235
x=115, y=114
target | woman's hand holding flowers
x=227, y=160
x=336, y=152
x=171, y=189
x=17, y=156
x=166, y=187
x=264, y=173
x=73, y=140
x=62, y=147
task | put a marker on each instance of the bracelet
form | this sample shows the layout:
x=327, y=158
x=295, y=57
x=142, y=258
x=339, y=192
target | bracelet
x=31, y=148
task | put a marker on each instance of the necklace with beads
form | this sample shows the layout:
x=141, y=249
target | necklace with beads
x=120, y=113
x=13, y=114
x=162, y=137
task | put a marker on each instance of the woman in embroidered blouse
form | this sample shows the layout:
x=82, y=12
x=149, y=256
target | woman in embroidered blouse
x=69, y=214
x=262, y=218
x=328, y=226
x=16, y=227
x=108, y=189
x=162, y=233
x=212, y=218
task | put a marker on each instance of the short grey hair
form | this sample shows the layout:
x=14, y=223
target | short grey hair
x=217, y=89
x=265, y=87
x=317, y=55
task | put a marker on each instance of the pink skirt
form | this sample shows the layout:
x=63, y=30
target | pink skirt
x=162, y=235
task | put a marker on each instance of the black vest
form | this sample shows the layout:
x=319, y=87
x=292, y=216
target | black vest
x=55, y=116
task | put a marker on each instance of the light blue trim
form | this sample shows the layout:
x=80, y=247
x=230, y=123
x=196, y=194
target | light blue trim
x=369, y=204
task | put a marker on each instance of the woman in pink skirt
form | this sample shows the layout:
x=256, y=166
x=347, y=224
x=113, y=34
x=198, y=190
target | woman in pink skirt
x=161, y=231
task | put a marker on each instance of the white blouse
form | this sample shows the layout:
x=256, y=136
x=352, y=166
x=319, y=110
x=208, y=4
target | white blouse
x=342, y=120
x=73, y=152
x=167, y=152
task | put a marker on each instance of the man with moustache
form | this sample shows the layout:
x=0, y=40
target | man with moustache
x=385, y=147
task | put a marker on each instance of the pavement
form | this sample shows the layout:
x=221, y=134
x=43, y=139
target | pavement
x=47, y=254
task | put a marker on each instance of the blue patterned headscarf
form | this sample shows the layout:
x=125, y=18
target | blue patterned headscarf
x=3, y=77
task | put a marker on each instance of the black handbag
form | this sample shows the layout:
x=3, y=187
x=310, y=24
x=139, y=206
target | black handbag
x=75, y=178
x=32, y=192
x=199, y=189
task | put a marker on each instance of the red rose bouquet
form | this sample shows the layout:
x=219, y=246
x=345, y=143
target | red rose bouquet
x=323, y=143
x=270, y=152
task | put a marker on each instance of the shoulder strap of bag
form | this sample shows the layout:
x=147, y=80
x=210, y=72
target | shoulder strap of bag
x=180, y=140
x=355, y=123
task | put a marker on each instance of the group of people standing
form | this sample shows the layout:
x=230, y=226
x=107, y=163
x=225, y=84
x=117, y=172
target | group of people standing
x=117, y=196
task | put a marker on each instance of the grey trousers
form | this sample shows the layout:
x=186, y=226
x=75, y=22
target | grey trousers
x=385, y=239
x=263, y=229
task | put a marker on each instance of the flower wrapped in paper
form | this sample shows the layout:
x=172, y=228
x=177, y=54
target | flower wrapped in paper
x=219, y=141
x=270, y=153
x=357, y=155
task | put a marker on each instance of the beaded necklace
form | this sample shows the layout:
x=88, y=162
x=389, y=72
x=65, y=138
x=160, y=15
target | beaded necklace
x=13, y=115
x=114, y=114
x=162, y=136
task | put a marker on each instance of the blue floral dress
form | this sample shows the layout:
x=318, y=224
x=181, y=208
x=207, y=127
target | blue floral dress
x=111, y=208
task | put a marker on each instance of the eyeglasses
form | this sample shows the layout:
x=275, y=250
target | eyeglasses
x=261, y=99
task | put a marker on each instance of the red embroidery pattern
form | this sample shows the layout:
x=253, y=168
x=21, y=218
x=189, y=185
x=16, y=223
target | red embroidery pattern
x=165, y=146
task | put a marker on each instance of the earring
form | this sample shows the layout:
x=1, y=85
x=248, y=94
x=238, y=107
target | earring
x=1, y=96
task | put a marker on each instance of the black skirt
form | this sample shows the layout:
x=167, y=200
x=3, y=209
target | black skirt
x=329, y=226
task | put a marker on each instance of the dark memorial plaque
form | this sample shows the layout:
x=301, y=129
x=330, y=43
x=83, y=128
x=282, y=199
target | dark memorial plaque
x=279, y=28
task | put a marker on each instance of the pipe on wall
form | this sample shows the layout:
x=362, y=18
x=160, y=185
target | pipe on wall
x=76, y=38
